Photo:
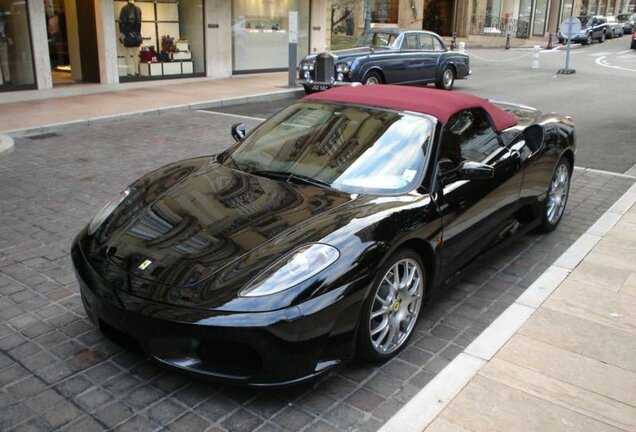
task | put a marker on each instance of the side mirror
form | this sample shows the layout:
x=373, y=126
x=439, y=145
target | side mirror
x=469, y=170
x=238, y=131
x=446, y=171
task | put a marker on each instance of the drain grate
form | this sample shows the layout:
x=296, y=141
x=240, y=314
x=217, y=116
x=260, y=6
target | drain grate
x=44, y=136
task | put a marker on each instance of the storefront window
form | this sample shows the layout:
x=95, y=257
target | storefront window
x=541, y=9
x=159, y=38
x=260, y=36
x=16, y=59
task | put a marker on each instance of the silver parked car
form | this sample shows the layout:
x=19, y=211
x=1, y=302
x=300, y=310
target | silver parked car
x=628, y=20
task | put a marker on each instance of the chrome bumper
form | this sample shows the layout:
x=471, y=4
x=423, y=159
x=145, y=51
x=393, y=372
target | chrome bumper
x=321, y=85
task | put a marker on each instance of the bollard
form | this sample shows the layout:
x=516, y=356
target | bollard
x=508, y=40
x=536, y=53
x=453, y=46
x=549, y=42
x=462, y=46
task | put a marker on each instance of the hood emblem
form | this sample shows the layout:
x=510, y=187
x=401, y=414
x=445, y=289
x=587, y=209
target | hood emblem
x=144, y=265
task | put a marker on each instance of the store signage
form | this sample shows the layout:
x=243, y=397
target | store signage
x=293, y=27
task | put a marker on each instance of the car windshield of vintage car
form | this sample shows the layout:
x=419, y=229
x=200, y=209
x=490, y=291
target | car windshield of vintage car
x=349, y=148
x=378, y=40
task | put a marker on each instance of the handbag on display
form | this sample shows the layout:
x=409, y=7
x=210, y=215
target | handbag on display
x=131, y=39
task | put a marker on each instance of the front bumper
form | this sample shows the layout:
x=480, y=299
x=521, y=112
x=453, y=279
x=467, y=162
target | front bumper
x=257, y=349
x=322, y=85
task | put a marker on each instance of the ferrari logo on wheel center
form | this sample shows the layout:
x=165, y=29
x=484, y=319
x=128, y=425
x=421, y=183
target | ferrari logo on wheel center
x=395, y=306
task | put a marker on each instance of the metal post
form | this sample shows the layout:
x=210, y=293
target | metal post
x=507, y=40
x=293, y=48
x=367, y=15
x=453, y=46
x=567, y=70
x=549, y=42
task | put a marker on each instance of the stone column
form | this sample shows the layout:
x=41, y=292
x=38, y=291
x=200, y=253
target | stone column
x=40, y=44
x=320, y=25
x=106, y=41
x=218, y=38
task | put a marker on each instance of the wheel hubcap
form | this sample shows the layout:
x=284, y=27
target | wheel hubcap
x=372, y=80
x=396, y=306
x=558, y=194
x=447, y=79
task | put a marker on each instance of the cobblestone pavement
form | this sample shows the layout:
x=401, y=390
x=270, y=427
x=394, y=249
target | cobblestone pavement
x=58, y=372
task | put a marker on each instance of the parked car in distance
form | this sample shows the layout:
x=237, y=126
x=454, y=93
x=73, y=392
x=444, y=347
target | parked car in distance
x=592, y=28
x=386, y=56
x=628, y=20
x=319, y=235
x=614, y=27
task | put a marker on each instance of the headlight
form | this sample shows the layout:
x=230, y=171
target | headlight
x=342, y=68
x=307, y=66
x=103, y=214
x=340, y=77
x=297, y=267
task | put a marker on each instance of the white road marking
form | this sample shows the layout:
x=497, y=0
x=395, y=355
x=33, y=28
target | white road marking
x=231, y=115
x=601, y=62
x=625, y=52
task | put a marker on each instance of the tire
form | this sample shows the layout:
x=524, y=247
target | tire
x=390, y=312
x=447, y=79
x=372, y=78
x=588, y=40
x=557, y=196
x=602, y=39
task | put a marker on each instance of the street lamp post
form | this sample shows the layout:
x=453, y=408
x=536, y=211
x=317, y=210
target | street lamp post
x=367, y=15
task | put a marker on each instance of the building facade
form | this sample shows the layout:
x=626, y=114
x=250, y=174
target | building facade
x=50, y=43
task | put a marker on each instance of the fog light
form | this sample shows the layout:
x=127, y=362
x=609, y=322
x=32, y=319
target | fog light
x=340, y=77
x=307, y=75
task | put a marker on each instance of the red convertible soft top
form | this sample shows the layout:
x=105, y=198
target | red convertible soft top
x=441, y=104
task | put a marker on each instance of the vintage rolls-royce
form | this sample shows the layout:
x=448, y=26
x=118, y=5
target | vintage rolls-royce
x=386, y=56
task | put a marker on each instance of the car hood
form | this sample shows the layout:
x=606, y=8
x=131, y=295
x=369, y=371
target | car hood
x=204, y=238
x=350, y=53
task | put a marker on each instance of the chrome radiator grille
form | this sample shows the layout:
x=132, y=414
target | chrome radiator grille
x=324, y=68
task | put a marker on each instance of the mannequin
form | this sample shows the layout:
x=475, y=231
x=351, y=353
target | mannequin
x=130, y=29
x=5, y=41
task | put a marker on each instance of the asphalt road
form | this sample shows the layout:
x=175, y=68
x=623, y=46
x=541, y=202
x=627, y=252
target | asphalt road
x=601, y=95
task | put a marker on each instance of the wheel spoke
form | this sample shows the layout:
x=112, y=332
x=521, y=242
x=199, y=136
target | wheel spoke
x=383, y=325
x=382, y=301
x=380, y=312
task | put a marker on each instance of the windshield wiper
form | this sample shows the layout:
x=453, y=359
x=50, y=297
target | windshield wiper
x=289, y=176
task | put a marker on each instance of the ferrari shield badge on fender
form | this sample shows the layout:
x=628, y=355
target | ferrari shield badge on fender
x=144, y=265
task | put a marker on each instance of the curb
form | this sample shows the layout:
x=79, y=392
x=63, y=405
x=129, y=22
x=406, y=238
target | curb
x=215, y=103
x=6, y=145
x=429, y=402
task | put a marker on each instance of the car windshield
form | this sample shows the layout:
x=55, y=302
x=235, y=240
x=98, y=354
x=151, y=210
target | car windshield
x=584, y=20
x=349, y=148
x=377, y=40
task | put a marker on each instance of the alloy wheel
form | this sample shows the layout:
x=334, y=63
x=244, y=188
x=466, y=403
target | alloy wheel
x=372, y=80
x=396, y=306
x=558, y=194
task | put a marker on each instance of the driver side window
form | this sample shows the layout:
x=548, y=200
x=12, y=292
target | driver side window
x=469, y=136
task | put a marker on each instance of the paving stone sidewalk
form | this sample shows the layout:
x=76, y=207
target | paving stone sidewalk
x=58, y=372
x=572, y=365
